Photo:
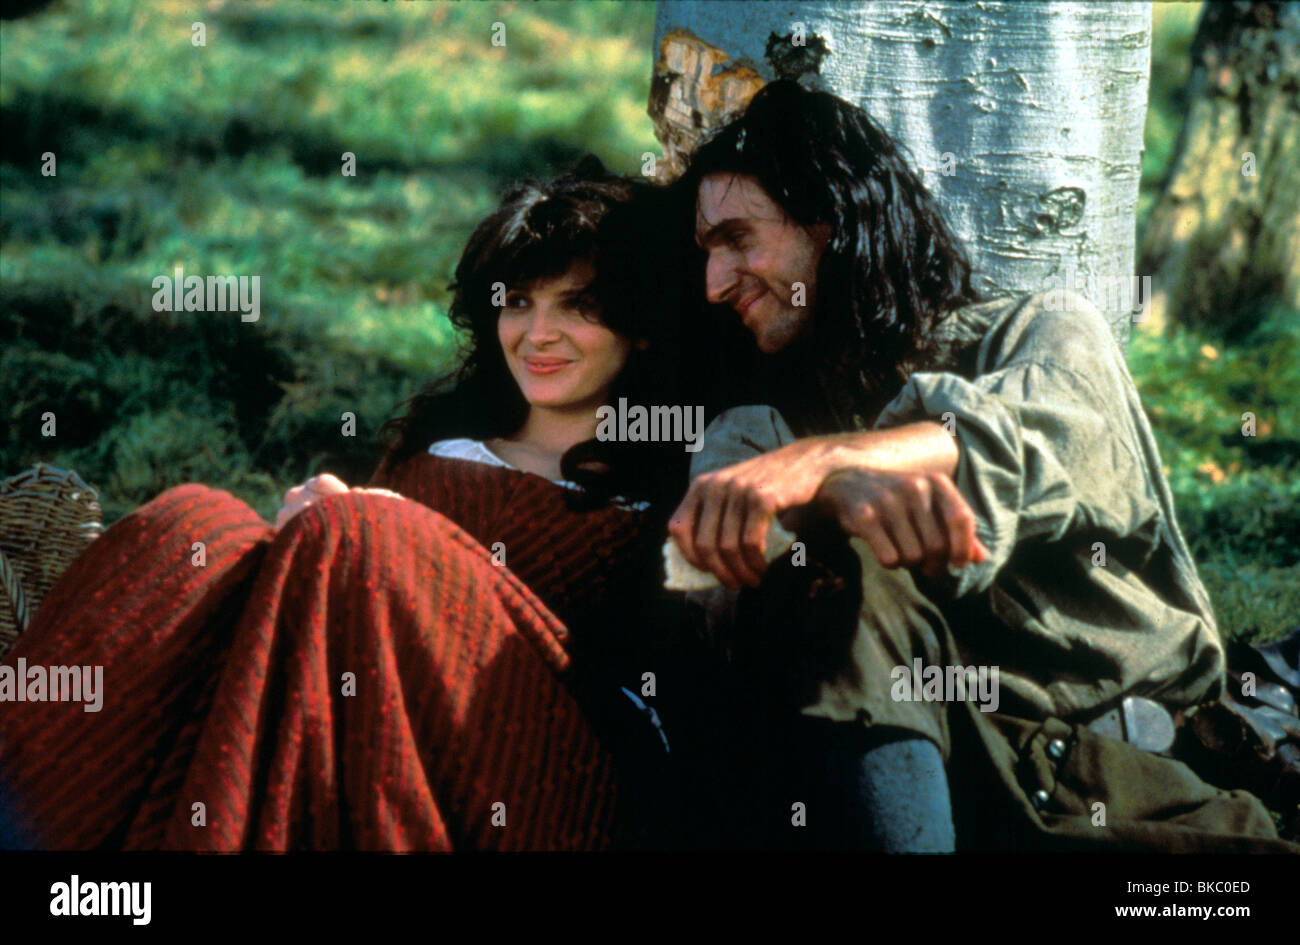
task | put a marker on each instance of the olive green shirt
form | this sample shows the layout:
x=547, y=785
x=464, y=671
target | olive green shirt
x=1089, y=583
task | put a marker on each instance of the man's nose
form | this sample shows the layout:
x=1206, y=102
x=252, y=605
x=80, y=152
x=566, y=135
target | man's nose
x=719, y=277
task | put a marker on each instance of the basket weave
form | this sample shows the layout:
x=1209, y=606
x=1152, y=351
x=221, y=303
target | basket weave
x=47, y=517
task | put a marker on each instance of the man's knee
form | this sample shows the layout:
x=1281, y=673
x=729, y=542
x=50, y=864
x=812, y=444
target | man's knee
x=875, y=788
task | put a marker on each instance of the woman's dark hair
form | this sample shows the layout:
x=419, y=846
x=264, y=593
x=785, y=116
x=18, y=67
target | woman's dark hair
x=892, y=268
x=539, y=230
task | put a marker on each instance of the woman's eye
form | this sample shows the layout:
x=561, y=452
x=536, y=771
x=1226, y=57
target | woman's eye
x=515, y=300
x=580, y=307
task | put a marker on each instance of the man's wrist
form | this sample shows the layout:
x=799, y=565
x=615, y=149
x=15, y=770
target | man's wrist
x=924, y=447
x=832, y=453
x=819, y=457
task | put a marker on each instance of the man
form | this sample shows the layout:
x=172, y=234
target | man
x=979, y=491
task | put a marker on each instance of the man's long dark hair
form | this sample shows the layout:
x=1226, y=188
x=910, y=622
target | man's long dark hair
x=539, y=230
x=892, y=268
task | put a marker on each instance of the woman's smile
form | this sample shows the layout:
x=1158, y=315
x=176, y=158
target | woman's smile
x=546, y=365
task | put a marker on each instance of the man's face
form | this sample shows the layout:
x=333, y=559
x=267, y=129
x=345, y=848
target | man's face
x=756, y=255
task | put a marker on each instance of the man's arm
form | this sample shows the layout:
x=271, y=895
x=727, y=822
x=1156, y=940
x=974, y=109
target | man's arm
x=892, y=488
x=923, y=447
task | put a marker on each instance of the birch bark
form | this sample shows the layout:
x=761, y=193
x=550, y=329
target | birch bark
x=1024, y=119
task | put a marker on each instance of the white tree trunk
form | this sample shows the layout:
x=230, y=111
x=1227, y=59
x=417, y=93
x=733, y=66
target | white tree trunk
x=1024, y=119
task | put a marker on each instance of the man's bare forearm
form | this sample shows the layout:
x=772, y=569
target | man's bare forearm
x=923, y=447
x=854, y=470
x=892, y=488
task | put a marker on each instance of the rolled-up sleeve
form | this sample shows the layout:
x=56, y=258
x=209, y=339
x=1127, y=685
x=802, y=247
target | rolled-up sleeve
x=1044, y=449
x=739, y=434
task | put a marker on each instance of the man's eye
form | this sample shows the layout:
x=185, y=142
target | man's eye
x=515, y=300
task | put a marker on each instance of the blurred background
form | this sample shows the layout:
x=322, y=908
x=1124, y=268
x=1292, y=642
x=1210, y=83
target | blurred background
x=226, y=158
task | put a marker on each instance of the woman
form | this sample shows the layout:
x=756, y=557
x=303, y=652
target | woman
x=434, y=663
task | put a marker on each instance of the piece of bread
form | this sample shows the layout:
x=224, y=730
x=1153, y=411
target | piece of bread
x=681, y=575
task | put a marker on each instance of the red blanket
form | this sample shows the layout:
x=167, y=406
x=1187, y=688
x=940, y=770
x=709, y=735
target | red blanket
x=367, y=678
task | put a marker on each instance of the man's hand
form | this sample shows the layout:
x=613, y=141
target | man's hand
x=721, y=525
x=906, y=519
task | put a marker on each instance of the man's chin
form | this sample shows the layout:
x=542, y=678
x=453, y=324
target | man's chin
x=776, y=335
x=773, y=343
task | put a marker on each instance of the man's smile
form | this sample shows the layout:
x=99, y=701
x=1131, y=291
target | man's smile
x=744, y=305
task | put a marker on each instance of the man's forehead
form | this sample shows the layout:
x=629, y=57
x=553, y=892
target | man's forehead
x=732, y=197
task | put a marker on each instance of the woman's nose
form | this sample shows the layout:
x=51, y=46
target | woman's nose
x=543, y=326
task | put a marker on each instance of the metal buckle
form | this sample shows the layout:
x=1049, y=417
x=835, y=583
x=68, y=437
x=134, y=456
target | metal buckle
x=1140, y=721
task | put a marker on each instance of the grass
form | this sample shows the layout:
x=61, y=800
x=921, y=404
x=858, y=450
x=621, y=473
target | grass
x=226, y=158
x=1237, y=495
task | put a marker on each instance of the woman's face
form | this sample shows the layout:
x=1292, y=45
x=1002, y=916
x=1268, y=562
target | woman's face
x=557, y=350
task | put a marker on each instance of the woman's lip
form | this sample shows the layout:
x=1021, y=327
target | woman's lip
x=545, y=366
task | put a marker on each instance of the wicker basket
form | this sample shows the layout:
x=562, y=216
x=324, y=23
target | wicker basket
x=47, y=517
